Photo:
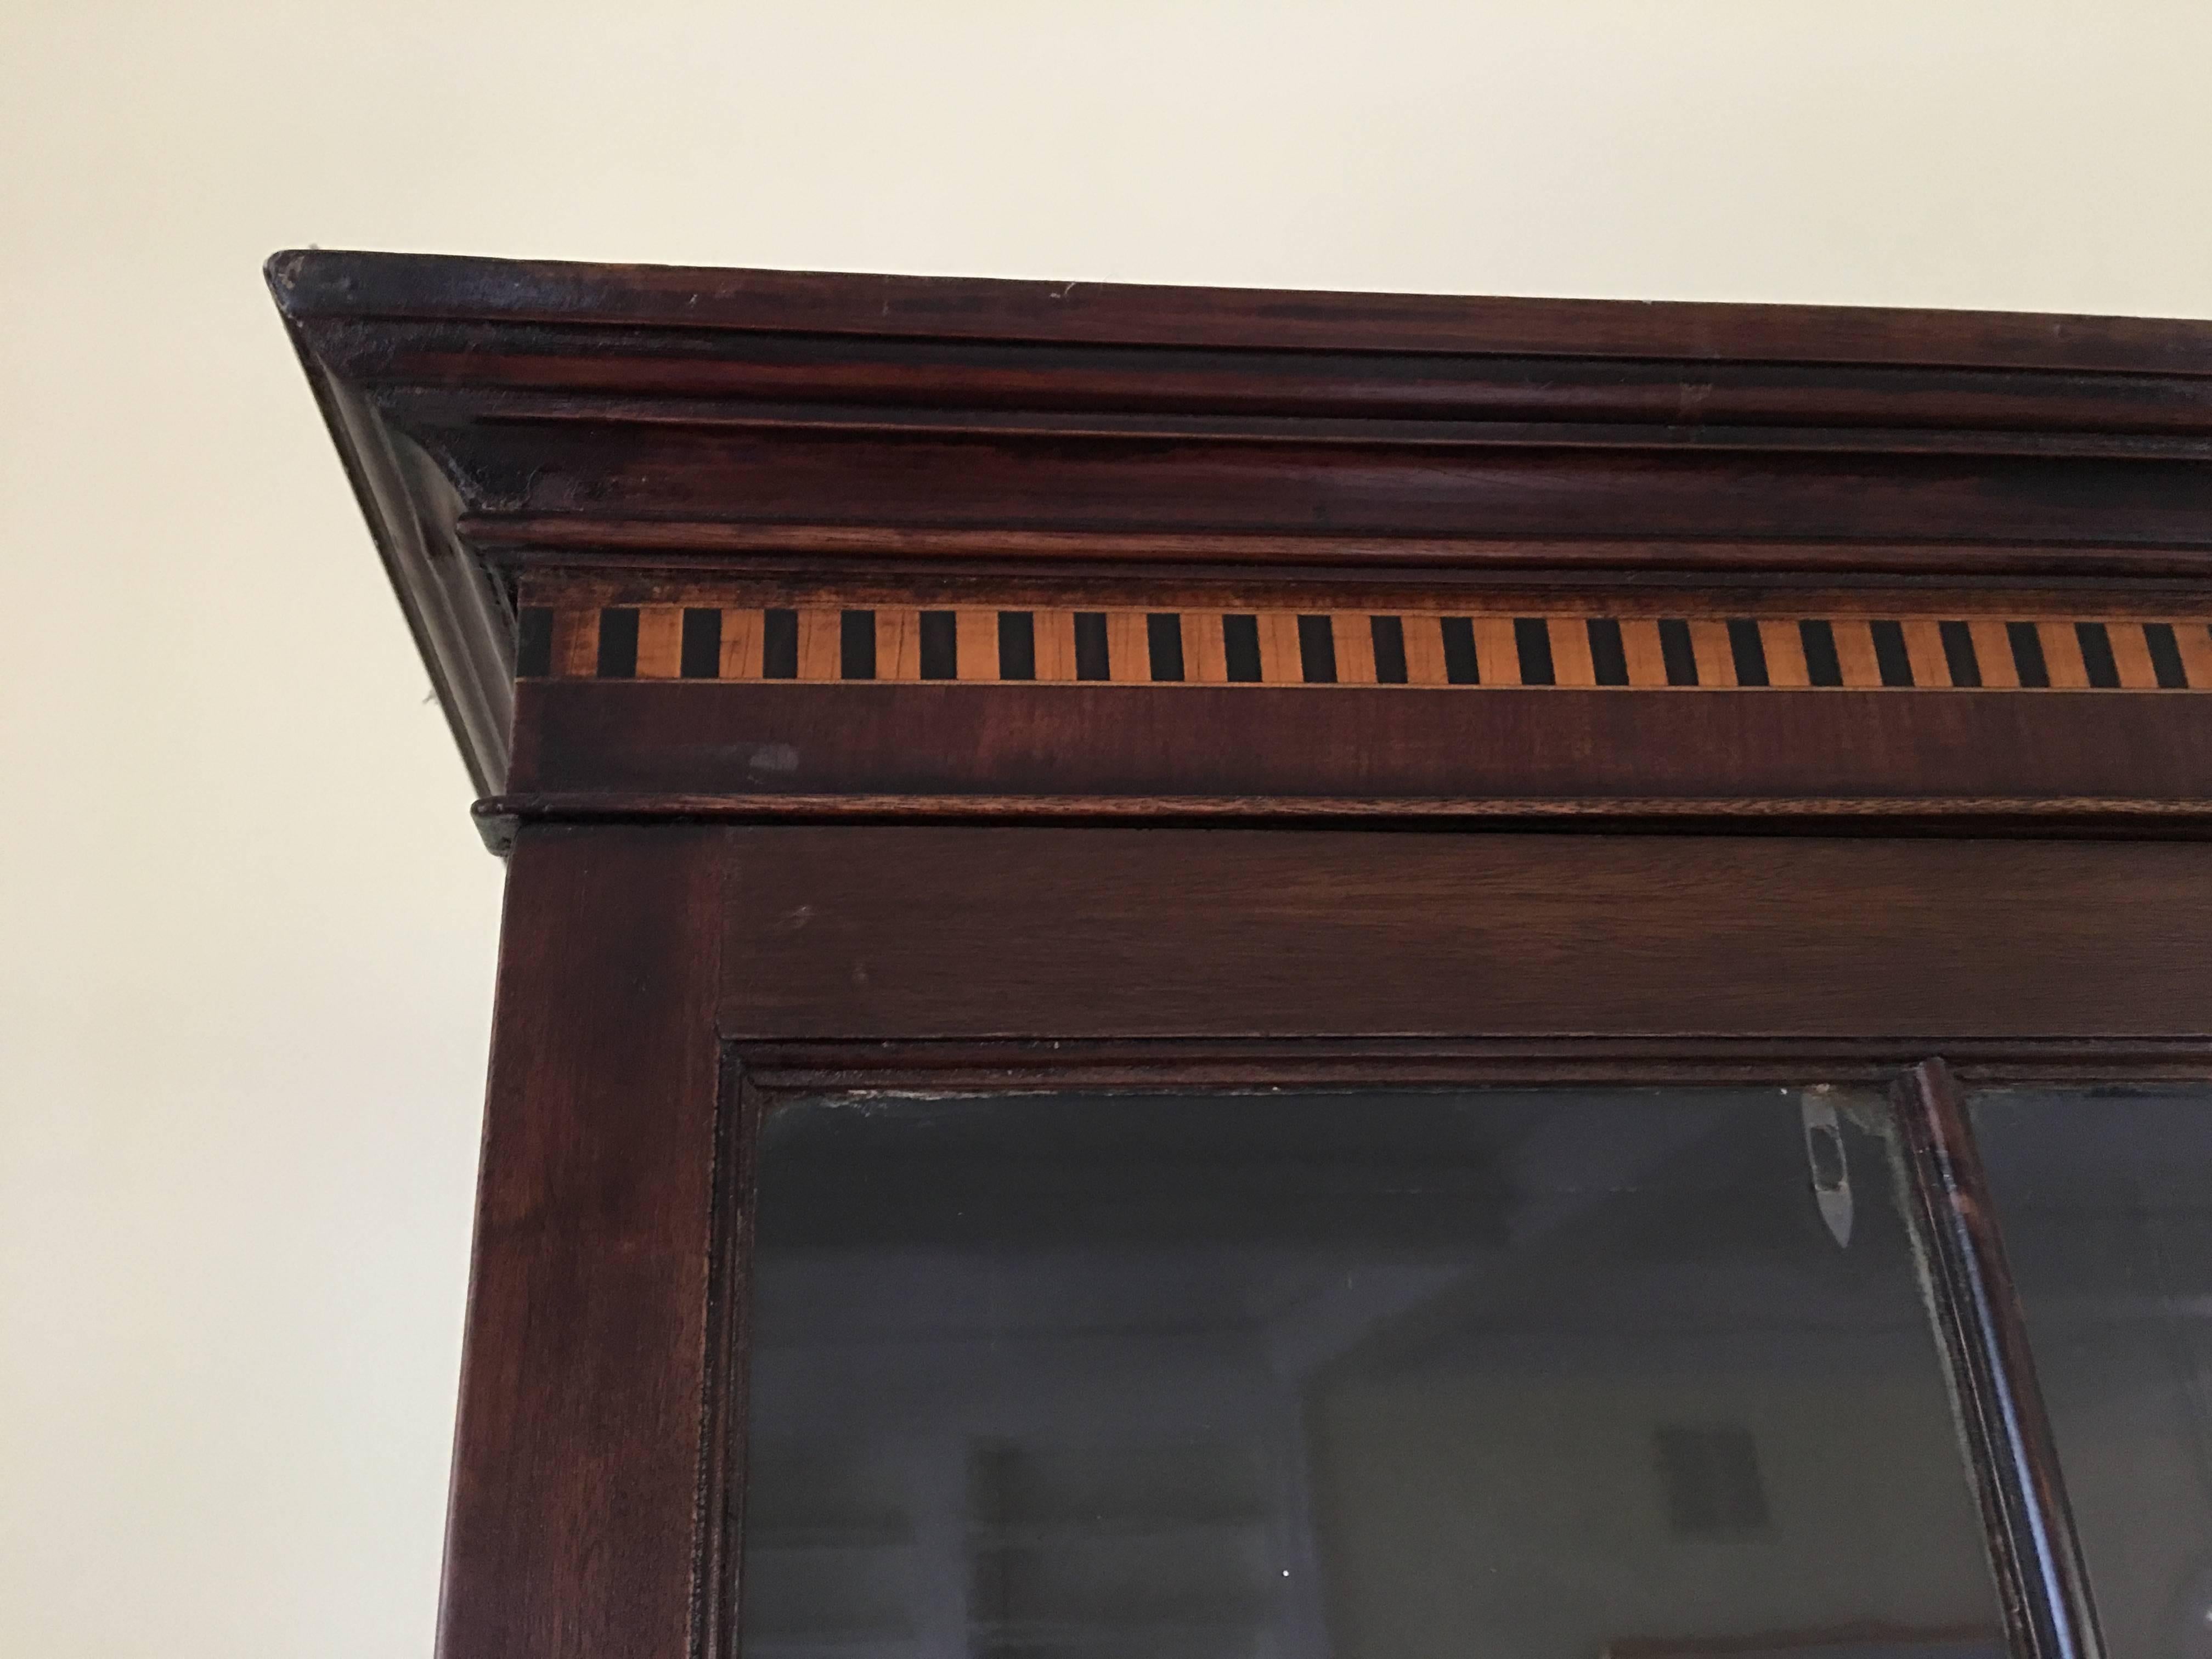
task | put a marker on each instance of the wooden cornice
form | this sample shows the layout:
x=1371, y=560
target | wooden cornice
x=505, y=421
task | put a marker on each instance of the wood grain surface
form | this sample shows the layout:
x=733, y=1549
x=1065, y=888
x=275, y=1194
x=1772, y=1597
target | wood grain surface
x=1077, y=933
x=1007, y=743
x=572, y=1530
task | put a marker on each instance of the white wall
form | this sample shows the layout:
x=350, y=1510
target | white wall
x=247, y=931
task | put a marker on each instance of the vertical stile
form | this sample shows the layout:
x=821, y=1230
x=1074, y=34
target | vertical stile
x=2042, y=1582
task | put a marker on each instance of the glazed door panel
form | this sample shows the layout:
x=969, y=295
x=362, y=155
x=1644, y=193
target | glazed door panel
x=1347, y=1375
x=2103, y=1199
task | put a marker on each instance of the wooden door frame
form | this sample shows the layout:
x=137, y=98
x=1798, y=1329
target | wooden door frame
x=595, y=1501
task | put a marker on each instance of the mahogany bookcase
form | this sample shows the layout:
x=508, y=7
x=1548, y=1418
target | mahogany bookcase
x=896, y=689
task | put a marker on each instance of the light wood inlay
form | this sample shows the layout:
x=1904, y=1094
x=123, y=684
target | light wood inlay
x=1497, y=651
x=1993, y=654
x=1128, y=648
x=1570, y=652
x=660, y=641
x=1639, y=644
x=898, y=645
x=563, y=641
x=821, y=644
x=1784, y=644
x=576, y=643
x=2061, y=656
x=1205, y=657
x=2195, y=639
x=742, y=638
x=1923, y=649
x=1354, y=637
x=1278, y=648
x=1855, y=654
x=2131, y=656
x=976, y=644
x=1055, y=646
x=1716, y=656
x=1425, y=651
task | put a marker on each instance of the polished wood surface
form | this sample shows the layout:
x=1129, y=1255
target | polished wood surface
x=1012, y=748
x=578, y=1444
x=933, y=933
x=344, y=286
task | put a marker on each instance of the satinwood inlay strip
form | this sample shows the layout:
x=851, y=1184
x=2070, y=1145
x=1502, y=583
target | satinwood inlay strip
x=1286, y=647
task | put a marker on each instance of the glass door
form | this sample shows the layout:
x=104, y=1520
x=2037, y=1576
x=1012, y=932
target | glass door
x=1542, y=1374
x=2104, y=1198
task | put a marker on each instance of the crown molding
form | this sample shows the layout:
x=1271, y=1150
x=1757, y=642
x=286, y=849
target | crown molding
x=500, y=418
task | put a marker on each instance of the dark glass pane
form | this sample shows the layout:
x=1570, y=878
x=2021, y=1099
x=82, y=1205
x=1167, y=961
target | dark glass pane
x=2104, y=1198
x=1549, y=1375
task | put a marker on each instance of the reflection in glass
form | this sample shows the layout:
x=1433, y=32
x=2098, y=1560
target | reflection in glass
x=1543, y=1375
x=2101, y=1197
